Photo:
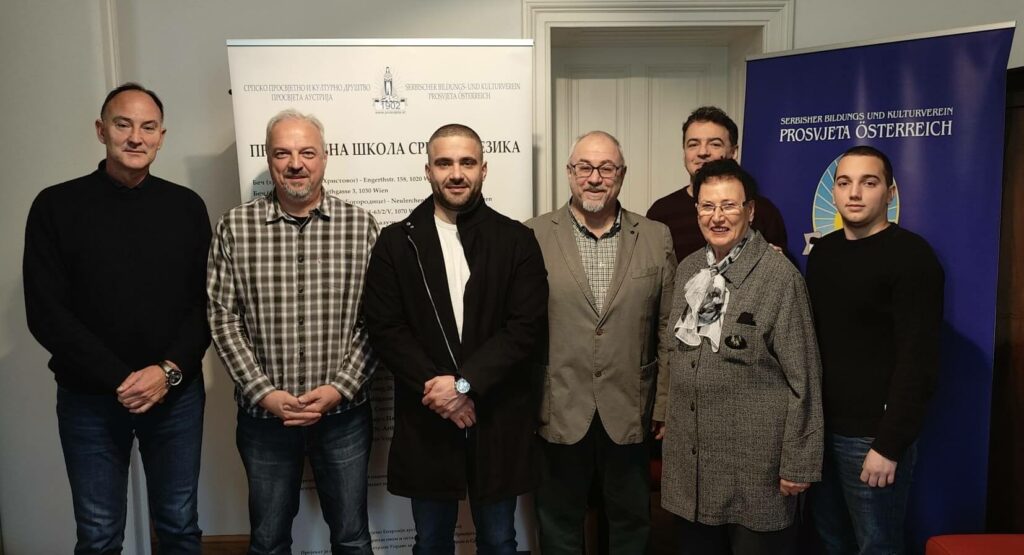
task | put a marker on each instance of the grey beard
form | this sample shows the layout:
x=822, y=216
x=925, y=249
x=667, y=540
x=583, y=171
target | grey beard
x=592, y=206
x=300, y=194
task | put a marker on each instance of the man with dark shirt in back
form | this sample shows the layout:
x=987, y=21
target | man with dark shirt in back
x=708, y=134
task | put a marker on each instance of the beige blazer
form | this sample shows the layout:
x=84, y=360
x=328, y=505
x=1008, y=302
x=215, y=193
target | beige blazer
x=605, y=363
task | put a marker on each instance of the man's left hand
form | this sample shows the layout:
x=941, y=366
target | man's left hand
x=878, y=471
x=142, y=389
x=321, y=399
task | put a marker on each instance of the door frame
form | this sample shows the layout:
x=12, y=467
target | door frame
x=774, y=19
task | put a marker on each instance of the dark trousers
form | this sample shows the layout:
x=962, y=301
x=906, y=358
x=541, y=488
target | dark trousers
x=96, y=434
x=338, y=447
x=732, y=539
x=436, y=519
x=622, y=473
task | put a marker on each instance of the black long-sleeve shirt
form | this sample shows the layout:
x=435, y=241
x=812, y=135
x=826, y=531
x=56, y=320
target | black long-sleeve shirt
x=115, y=279
x=878, y=313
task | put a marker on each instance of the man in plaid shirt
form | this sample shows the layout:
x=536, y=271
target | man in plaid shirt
x=285, y=283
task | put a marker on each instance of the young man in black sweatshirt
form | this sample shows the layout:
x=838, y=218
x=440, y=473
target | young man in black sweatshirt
x=877, y=293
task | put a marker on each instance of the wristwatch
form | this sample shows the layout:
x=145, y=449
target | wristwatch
x=461, y=385
x=172, y=374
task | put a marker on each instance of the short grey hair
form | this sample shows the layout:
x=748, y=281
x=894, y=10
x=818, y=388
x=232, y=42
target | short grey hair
x=292, y=113
x=605, y=134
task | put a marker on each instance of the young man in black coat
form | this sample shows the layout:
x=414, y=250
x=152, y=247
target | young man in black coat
x=455, y=303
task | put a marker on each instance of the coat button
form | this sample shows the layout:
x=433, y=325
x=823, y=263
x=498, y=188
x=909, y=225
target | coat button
x=693, y=406
x=693, y=450
x=600, y=331
x=693, y=364
x=598, y=374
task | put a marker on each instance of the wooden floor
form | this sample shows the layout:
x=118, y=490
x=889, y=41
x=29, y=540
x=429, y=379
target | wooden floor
x=661, y=536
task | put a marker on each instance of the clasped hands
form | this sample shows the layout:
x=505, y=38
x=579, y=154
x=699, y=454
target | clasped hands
x=142, y=389
x=440, y=396
x=304, y=410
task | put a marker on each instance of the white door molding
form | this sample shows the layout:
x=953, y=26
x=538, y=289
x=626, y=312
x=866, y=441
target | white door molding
x=111, y=46
x=774, y=19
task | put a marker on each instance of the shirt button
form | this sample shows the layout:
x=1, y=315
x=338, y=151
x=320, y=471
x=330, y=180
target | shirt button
x=301, y=320
x=302, y=380
x=302, y=353
x=301, y=289
x=301, y=258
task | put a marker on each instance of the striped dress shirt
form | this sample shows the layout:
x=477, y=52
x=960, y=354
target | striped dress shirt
x=285, y=299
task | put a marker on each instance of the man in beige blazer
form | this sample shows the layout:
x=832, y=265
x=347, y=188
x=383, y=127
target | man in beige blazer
x=610, y=275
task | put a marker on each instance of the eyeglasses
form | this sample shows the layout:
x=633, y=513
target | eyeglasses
x=584, y=170
x=728, y=208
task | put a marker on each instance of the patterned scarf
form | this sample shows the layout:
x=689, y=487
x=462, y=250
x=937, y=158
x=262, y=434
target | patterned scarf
x=707, y=299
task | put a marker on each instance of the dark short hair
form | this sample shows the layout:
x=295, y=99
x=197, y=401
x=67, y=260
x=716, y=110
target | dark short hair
x=132, y=86
x=455, y=130
x=865, y=150
x=715, y=115
x=725, y=168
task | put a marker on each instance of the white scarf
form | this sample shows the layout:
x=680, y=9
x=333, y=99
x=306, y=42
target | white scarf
x=707, y=299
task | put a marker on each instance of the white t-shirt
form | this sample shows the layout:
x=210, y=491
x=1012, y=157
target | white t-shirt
x=455, y=266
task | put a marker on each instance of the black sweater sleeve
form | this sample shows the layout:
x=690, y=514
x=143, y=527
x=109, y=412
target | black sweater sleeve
x=193, y=335
x=917, y=318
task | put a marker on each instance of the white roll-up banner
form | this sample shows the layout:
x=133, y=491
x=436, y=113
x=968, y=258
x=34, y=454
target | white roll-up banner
x=379, y=101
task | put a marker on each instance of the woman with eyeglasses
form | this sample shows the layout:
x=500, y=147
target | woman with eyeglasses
x=741, y=405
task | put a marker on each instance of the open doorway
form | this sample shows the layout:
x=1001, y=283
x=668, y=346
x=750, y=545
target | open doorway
x=636, y=69
x=639, y=85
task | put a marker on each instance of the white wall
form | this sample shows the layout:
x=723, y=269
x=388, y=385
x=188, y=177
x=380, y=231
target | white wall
x=51, y=53
x=821, y=22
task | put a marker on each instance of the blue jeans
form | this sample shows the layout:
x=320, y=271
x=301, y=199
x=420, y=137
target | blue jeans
x=96, y=434
x=338, y=447
x=852, y=517
x=435, y=526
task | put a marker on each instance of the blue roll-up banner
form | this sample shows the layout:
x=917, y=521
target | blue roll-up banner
x=935, y=104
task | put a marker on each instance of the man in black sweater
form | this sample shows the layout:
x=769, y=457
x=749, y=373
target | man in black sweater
x=877, y=292
x=114, y=271
x=709, y=134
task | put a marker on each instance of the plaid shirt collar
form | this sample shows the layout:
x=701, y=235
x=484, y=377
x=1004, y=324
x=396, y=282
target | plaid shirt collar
x=613, y=231
x=276, y=213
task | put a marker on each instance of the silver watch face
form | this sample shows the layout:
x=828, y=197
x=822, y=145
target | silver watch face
x=173, y=374
x=462, y=386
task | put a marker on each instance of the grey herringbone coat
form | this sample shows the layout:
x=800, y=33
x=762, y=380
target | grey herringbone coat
x=739, y=419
